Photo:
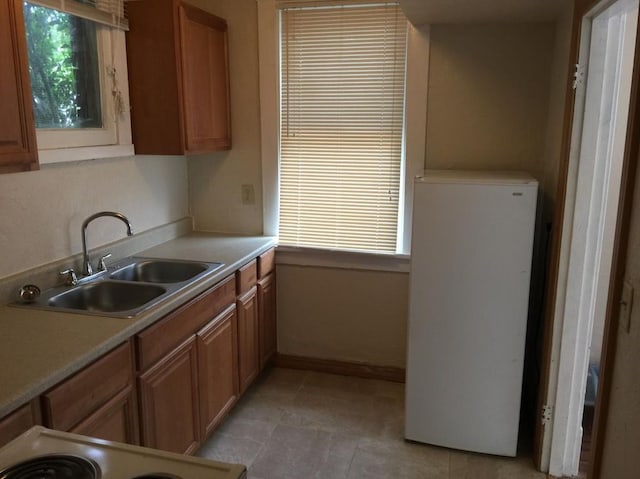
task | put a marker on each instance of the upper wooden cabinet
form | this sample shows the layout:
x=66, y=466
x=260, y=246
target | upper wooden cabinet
x=178, y=78
x=18, y=150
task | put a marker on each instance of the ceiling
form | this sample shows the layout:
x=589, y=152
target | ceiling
x=421, y=12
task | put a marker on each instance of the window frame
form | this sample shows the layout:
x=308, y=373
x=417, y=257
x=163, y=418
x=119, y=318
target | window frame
x=413, y=149
x=114, y=139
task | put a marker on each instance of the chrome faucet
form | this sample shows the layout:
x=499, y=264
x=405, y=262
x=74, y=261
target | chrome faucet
x=87, y=270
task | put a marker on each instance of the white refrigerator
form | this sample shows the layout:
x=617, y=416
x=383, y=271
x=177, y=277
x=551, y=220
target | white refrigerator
x=471, y=255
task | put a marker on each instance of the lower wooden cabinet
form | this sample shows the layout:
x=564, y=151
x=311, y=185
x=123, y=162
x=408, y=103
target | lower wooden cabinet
x=19, y=421
x=217, y=369
x=115, y=421
x=98, y=401
x=170, y=414
x=248, y=338
x=267, y=319
x=192, y=366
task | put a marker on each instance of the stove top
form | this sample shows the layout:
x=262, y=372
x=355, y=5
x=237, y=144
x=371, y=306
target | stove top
x=53, y=466
x=42, y=453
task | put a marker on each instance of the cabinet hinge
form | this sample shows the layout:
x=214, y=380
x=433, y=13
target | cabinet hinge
x=578, y=75
x=547, y=414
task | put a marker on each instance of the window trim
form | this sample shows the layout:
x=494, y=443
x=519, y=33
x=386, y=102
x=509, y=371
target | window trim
x=341, y=259
x=415, y=119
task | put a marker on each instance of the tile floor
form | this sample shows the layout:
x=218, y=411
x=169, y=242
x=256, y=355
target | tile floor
x=303, y=424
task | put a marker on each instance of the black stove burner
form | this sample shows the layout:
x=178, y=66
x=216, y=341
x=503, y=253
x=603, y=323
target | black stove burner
x=53, y=466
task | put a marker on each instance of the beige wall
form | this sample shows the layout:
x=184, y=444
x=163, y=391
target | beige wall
x=41, y=211
x=620, y=457
x=215, y=180
x=489, y=96
x=347, y=315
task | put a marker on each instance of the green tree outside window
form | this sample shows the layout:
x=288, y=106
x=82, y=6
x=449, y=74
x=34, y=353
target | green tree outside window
x=63, y=65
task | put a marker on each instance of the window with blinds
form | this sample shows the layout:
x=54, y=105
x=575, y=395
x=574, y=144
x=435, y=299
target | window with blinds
x=341, y=129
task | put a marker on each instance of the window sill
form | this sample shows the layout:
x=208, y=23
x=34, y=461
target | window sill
x=290, y=255
x=65, y=155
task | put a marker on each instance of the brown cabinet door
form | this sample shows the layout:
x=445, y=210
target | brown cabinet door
x=267, y=318
x=19, y=421
x=248, y=352
x=205, y=80
x=169, y=401
x=217, y=368
x=78, y=397
x=177, y=53
x=115, y=421
x=17, y=129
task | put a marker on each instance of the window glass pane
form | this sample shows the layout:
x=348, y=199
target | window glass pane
x=63, y=64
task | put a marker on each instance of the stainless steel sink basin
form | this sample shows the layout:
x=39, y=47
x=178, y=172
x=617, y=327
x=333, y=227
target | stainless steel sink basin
x=127, y=288
x=160, y=271
x=107, y=296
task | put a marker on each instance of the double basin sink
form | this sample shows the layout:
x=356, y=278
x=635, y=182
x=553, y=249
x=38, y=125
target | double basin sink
x=126, y=288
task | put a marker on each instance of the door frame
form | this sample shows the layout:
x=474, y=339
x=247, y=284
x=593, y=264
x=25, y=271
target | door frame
x=581, y=7
x=627, y=188
x=632, y=146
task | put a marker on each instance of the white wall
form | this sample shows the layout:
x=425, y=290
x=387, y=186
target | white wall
x=216, y=179
x=41, y=211
x=489, y=96
x=343, y=314
x=620, y=459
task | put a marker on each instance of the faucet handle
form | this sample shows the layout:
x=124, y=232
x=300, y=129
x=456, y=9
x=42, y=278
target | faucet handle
x=71, y=279
x=101, y=264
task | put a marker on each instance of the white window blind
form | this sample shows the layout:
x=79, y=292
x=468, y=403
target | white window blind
x=342, y=103
x=107, y=12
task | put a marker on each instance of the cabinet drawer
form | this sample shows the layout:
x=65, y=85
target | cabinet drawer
x=246, y=277
x=77, y=397
x=157, y=340
x=266, y=263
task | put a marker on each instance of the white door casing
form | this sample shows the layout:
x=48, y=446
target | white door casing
x=591, y=204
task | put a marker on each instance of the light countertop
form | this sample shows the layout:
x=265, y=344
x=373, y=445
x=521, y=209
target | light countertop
x=41, y=348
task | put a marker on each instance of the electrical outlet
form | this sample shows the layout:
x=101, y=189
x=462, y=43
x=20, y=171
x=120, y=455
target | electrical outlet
x=248, y=195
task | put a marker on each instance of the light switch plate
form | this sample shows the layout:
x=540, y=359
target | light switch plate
x=626, y=304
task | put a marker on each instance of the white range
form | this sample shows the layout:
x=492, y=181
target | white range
x=41, y=452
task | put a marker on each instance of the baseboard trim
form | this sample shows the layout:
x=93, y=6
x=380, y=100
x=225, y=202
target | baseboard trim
x=345, y=368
